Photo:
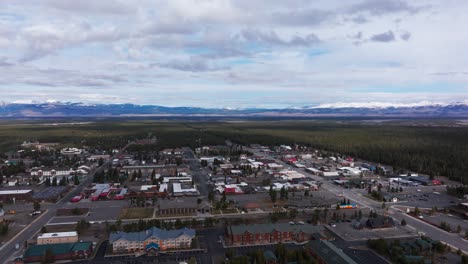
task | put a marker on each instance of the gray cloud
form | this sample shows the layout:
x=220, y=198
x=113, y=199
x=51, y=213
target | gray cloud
x=301, y=17
x=383, y=7
x=383, y=37
x=109, y=7
x=405, y=36
x=360, y=19
x=272, y=38
x=194, y=64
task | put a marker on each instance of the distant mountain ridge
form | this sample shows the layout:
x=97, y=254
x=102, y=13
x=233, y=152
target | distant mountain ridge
x=67, y=109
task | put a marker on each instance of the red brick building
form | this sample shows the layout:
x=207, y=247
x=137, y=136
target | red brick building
x=269, y=233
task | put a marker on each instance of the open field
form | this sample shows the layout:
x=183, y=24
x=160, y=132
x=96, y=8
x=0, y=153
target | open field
x=435, y=147
x=136, y=213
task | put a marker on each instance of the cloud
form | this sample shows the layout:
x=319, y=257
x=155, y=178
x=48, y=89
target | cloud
x=360, y=19
x=405, y=35
x=108, y=7
x=193, y=64
x=384, y=37
x=272, y=38
x=153, y=49
x=301, y=17
x=383, y=7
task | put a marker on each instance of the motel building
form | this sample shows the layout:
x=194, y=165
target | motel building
x=151, y=241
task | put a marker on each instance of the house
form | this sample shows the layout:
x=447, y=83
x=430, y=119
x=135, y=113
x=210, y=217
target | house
x=391, y=199
x=57, y=238
x=269, y=233
x=151, y=241
x=63, y=251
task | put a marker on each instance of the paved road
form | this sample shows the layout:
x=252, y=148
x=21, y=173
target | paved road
x=8, y=253
x=27, y=233
x=435, y=233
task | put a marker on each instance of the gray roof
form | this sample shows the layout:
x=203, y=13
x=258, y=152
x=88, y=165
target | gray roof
x=268, y=228
x=152, y=232
x=329, y=252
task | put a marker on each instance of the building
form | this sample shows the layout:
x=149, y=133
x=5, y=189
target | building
x=9, y=195
x=330, y=174
x=95, y=158
x=64, y=251
x=326, y=253
x=164, y=170
x=42, y=173
x=182, y=206
x=269, y=233
x=421, y=180
x=12, y=182
x=153, y=239
x=71, y=151
x=380, y=222
x=39, y=146
x=57, y=238
x=184, y=189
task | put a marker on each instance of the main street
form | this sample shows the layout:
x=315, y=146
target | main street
x=454, y=240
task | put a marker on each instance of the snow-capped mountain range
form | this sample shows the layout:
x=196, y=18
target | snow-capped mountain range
x=52, y=108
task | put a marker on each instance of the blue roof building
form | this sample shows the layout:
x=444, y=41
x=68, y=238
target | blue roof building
x=153, y=239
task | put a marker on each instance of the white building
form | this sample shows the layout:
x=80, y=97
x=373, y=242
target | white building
x=57, y=238
x=71, y=151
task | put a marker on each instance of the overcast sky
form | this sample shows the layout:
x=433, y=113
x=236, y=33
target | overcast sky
x=238, y=53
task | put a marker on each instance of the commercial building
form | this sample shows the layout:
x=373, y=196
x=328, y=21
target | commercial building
x=9, y=195
x=269, y=233
x=182, y=206
x=64, y=251
x=153, y=239
x=57, y=238
x=325, y=252
x=164, y=170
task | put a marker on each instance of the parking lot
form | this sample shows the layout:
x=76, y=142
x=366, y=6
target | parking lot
x=451, y=220
x=50, y=193
x=428, y=198
x=347, y=232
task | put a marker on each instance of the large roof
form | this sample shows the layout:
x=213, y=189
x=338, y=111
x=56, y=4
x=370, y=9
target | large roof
x=329, y=252
x=268, y=228
x=152, y=232
x=57, y=249
x=14, y=192
x=58, y=234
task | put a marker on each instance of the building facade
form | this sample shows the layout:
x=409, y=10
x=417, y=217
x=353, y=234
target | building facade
x=9, y=195
x=270, y=233
x=151, y=240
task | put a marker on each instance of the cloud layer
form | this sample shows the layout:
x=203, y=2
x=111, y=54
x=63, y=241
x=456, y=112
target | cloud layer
x=233, y=53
